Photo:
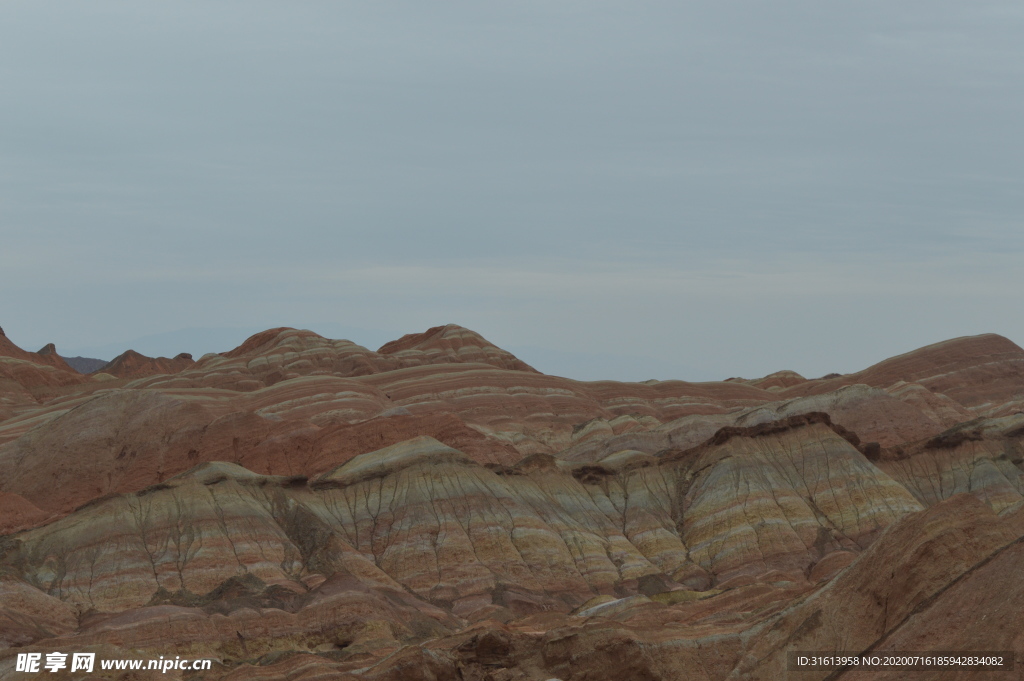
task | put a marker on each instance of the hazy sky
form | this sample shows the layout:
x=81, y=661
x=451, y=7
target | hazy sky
x=630, y=190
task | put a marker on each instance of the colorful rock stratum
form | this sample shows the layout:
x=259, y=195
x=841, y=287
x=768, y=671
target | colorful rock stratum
x=301, y=508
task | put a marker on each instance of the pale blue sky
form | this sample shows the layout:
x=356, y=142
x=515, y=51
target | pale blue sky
x=670, y=190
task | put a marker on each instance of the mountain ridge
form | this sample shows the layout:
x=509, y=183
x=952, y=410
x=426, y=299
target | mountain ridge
x=299, y=504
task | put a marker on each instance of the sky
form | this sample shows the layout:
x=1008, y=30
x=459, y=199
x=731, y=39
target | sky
x=688, y=190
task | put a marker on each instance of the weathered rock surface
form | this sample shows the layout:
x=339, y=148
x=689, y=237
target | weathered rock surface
x=913, y=579
x=283, y=353
x=17, y=513
x=131, y=364
x=887, y=418
x=126, y=440
x=47, y=356
x=982, y=457
x=31, y=374
x=477, y=542
x=301, y=507
x=978, y=372
x=450, y=343
x=27, y=614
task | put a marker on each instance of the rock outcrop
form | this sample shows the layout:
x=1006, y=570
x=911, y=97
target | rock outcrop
x=301, y=507
x=450, y=343
x=28, y=378
x=978, y=372
x=131, y=364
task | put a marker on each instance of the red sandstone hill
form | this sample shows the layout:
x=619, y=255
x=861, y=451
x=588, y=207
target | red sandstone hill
x=976, y=371
x=451, y=343
x=25, y=373
x=131, y=364
x=47, y=356
x=303, y=507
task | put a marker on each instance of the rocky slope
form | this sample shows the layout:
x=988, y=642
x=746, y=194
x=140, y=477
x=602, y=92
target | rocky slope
x=131, y=364
x=978, y=372
x=301, y=507
x=27, y=378
x=29, y=372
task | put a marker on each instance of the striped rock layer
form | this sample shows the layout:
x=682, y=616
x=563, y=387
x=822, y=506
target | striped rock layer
x=301, y=507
